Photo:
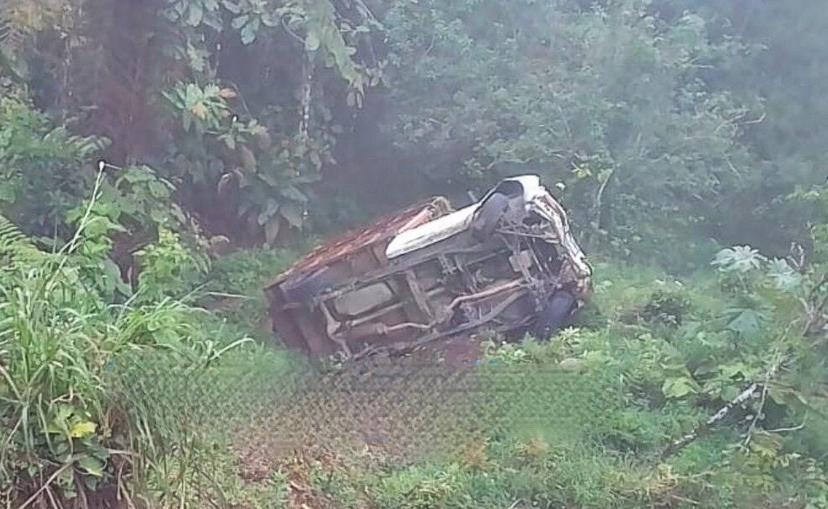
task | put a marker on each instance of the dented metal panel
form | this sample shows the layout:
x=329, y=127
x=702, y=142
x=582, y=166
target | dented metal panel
x=430, y=232
x=353, y=242
x=507, y=262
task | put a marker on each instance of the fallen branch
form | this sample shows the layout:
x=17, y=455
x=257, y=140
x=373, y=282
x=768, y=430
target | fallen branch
x=784, y=430
x=46, y=485
x=723, y=412
x=814, y=305
x=760, y=411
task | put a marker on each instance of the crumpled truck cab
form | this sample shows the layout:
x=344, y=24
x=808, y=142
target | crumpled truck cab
x=506, y=263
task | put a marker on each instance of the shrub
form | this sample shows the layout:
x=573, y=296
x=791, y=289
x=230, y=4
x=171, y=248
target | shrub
x=62, y=347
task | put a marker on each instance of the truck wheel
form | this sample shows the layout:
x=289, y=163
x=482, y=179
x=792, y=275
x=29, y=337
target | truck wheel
x=489, y=214
x=554, y=315
x=309, y=287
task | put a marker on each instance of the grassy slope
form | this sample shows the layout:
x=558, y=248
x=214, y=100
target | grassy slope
x=581, y=422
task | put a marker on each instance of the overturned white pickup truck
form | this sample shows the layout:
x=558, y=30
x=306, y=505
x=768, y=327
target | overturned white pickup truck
x=508, y=263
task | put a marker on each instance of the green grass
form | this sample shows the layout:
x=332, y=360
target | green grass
x=582, y=421
x=234, y=289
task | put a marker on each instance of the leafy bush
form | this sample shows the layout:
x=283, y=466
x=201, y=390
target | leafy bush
x=418, y=488
x=234, y=288
x=61, y=345
x=42, y=168
x=668, y=308
x=168, y=268
x=58, y=343
x=579, y=94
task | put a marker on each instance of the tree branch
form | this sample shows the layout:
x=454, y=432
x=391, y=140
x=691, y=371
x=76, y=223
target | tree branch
x=723, y=412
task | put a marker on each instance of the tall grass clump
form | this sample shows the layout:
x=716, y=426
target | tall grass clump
x=68, y=432
x=59, y=347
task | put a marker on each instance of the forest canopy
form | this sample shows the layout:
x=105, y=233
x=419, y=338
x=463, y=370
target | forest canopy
x=664, y=119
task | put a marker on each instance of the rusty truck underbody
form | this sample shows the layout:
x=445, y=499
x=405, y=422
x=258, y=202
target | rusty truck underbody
x=507, y=263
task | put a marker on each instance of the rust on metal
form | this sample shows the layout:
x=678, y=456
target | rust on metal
x=353, y=241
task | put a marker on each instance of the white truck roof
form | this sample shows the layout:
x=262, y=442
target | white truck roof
x=454, y=223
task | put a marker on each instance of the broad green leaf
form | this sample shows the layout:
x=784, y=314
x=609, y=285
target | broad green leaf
x=195, y=14
x=92, y=466
x=730, y=392
x=315, y=159
x=232, y=6
x=292, y=214
x=158, y=189
x=239, y=21
x=746, y=323
x=734, y=369
x=311, y=42
x=272, y=230
x=294, y=194
x=82, y=429
x=269, y=211
x=248, y=34
x=679, y=387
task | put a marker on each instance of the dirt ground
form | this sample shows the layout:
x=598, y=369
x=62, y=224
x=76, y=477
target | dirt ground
x=386, y=410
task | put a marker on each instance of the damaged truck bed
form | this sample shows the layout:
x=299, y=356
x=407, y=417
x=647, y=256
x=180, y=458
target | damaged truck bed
x=506, y=263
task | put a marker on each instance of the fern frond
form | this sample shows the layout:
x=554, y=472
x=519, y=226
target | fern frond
x=12, y=36
x=88, y=146
x=15, y=246
x=19, y=19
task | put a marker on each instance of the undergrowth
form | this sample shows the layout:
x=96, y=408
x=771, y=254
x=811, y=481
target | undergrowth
x=587, y=420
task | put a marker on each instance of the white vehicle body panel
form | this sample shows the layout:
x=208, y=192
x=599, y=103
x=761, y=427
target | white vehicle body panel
x=431, y=232
x=456, y=222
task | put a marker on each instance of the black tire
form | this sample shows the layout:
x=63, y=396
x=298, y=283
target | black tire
x=488, y=215
x=309, y=287
x=554, y=315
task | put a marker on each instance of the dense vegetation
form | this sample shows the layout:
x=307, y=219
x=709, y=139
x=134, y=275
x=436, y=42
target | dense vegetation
x=684, y=136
